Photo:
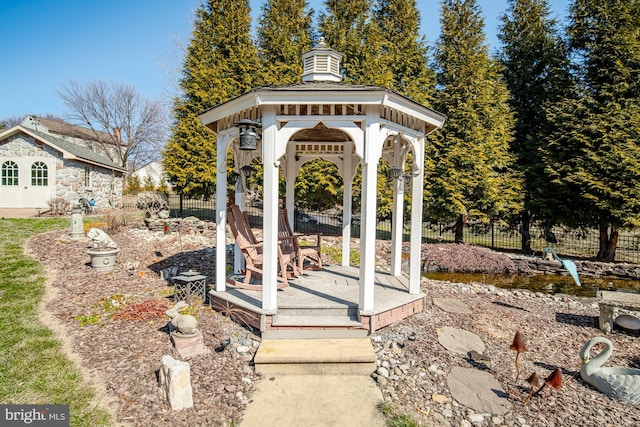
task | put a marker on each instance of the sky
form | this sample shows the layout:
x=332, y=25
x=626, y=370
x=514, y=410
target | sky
x=47, y=43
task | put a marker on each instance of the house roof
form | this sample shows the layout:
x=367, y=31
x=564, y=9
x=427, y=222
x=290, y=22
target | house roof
x=67, y=129
x=68, y=149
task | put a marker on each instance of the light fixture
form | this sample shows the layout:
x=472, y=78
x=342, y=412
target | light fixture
x=233, y=177
x=395, y=172
x=248, y=135
x=246, y=172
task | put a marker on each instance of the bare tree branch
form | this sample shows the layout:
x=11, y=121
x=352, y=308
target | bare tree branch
x=129, y=128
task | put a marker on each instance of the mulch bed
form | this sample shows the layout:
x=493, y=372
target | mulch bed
x=124, y=333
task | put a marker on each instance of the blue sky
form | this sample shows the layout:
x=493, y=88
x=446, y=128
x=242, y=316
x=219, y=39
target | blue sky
x=47, y=43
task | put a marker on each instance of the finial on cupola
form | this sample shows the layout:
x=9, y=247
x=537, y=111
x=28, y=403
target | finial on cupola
x=321, y=64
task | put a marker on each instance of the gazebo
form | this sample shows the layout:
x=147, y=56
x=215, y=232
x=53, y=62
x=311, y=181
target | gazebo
x=349, y=125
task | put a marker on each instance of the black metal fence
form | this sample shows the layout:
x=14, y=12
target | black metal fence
x=572, y=243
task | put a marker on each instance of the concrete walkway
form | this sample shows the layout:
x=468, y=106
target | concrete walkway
x=314, y=401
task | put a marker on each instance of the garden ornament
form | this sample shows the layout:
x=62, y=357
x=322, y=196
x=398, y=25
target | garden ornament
x=620, y=383
x=518, y=346
x=186, y=325
x=101, y=240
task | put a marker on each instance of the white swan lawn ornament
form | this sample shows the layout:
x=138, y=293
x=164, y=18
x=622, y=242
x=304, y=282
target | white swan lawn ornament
x=622, y=384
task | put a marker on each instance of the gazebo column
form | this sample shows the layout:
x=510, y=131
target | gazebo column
x=397, y=219
x=224, y=138
x=238, y=259
x=290, y=180
x=415, y=260
x=270, y=209
x=347, y=205
x=372, y=152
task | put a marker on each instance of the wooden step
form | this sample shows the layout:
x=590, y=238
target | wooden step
x=354, y=356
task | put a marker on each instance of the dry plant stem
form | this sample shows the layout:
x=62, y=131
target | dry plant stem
x=540, y=389
x=528, y=397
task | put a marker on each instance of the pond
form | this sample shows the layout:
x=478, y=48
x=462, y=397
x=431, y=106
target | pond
x=549, y=284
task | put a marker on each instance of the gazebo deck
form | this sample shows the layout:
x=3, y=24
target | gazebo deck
x=322, y=300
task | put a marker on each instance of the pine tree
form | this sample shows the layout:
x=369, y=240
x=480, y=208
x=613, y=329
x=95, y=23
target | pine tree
x=349, y=27
x=472, y=171
x=221, y=63
x=284, y=34
x=406, y=52
x=536, y=70
x=594, y=154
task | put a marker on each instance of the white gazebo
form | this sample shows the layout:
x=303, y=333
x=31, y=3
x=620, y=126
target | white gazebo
x=349, y=125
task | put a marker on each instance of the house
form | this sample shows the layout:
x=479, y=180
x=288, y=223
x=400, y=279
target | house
x=153, y=172
x=43, y=159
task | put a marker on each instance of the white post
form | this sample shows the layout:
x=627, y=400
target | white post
x=397, y=219
x=290, y=179
x=368, y=222
x=347, y=205
x=238, y=259
x=221, y=211
x=415, y=259
x=270, y=212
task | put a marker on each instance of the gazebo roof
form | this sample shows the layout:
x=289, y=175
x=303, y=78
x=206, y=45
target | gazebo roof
x=323, y=98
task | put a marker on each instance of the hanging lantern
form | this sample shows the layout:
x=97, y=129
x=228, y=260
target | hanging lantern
x=395, y=172
x=248, y=135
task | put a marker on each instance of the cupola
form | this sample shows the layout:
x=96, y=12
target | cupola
x=321, y=64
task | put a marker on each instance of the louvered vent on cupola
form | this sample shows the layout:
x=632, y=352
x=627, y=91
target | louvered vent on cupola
x=321, y=64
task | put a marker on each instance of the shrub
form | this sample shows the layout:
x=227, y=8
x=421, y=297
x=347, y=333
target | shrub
x=59, y=205
x=152, y=203
x=133, y=185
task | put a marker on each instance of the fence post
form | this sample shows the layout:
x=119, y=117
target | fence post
x=493, y=246
x=181, y=206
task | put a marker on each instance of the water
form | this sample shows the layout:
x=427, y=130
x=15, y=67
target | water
x=542, y=283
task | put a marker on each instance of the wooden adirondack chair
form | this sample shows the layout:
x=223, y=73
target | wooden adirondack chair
x=305, y=251
x=252, y=250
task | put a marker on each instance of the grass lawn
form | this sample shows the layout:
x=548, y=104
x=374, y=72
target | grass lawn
x=33, y=369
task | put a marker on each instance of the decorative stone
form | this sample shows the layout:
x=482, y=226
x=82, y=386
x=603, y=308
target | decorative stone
x=460, y=341
x=175, y=382
x=478, y=390
x=451, y=305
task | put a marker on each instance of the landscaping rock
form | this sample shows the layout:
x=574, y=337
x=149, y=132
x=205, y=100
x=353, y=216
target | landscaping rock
x=478, y=390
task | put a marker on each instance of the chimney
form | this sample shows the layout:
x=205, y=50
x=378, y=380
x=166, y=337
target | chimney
x=321, y=64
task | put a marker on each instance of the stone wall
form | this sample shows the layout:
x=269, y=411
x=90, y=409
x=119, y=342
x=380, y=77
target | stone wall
x=536, y=265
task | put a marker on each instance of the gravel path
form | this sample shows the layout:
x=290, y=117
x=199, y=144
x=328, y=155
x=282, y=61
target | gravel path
x=123, y=356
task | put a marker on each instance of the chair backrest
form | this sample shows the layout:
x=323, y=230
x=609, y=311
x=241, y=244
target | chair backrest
x=241, y=229
x=285, y=233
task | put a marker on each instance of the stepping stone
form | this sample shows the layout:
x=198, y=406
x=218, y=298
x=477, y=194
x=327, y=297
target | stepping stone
x=460, y=341
x=478, y=390
x=451, y=305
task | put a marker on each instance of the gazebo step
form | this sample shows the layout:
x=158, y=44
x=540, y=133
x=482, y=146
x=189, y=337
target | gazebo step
x=350, y=311
x=315, y=356
x=316, y=320
x=314, y=333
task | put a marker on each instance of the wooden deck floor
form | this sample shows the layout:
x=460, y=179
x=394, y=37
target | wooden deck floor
x=330, y=288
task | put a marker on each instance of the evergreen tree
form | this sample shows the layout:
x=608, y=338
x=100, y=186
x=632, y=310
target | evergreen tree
x=221, y=62
x=405, y=51
x=284, y=34
x=349, y=27
x=471, y=173
x=536, y=70
x=594, y=156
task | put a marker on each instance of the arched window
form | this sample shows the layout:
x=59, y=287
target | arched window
x=39, y=175
x=10, y=173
